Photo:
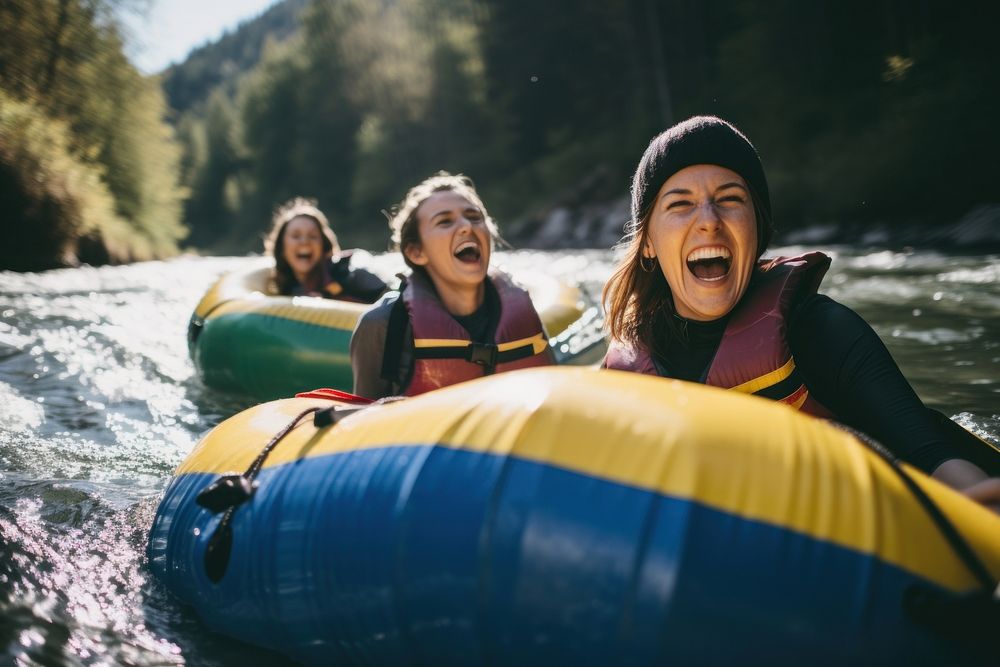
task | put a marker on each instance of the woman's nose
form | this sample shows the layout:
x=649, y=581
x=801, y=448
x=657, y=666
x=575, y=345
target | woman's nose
x=708, y=215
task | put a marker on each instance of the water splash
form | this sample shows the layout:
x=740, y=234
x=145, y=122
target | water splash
x=99, y=403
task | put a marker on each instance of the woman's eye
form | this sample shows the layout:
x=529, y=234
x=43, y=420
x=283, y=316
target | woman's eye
x=678, y=204
x=732, y=199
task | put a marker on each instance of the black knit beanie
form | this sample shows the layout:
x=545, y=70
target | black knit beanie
x=702, y=140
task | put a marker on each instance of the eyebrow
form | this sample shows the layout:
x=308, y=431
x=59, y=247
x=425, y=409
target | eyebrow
x=685, y=191
x=448, y=211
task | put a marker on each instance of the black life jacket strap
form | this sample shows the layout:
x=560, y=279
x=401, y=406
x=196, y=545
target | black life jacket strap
x=487, y=355
x=398, y=319
x=971, y=616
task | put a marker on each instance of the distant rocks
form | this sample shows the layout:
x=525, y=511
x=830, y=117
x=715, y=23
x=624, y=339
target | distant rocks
x=587, y=215
x=575, y=224
x=979, y=229
x=588, y=226
x=593, y=213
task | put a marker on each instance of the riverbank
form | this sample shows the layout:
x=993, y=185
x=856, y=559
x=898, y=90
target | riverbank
x=569, y=225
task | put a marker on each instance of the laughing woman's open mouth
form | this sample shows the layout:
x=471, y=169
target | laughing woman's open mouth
x=710, y=264
x=468, y=252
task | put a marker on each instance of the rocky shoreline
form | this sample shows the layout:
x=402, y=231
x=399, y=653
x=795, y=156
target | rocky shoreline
x=600, y=225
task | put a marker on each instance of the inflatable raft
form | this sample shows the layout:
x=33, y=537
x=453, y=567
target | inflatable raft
x=244, y=340
x=571, y=517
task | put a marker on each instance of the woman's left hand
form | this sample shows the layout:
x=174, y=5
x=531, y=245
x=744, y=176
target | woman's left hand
x=986, y=492
x=970, y=480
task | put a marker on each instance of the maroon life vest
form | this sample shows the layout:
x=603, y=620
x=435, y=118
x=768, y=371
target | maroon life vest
x=443, y=351
x=753, y=355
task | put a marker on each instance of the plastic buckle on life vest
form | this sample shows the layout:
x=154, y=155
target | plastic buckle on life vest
x=484, y=354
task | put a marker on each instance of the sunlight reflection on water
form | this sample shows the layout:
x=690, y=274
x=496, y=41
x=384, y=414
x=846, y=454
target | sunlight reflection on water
x=99, y=402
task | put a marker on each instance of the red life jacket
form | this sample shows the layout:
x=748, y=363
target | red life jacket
x=753, y=355
x=443, y=351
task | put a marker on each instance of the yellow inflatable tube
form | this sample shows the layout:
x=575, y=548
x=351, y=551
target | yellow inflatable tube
x=699, y=525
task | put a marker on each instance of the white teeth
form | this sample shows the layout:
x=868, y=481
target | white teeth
x=709, y=253
x=467, y=244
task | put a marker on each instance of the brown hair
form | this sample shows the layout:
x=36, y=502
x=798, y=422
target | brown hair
x=639, y=303
x=282, y=277
x=403, y=219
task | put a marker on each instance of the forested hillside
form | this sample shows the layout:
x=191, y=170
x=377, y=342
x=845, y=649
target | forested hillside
x=862, y=112
x=218, y=66
x=88, y=166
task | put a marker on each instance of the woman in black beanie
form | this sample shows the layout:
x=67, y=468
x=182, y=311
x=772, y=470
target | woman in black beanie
x=693, y=300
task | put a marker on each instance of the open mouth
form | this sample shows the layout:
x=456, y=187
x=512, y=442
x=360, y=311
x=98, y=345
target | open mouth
x=468, y=252
x=711, y=263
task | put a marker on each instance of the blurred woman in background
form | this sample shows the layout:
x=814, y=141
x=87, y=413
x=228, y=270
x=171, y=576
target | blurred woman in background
x=308, y=260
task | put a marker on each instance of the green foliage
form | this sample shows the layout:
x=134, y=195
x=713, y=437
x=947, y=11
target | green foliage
x=859, y=115
x=66, y=63
x=212, y=165
x=216, y=68
x=213, y=97
x=866, y=120
x=55, y=206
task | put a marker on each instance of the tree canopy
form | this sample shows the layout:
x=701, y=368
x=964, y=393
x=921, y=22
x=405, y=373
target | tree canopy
x=862, y=113
x=88, y=165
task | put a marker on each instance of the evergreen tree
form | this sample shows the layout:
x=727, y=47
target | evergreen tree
x=64, y=59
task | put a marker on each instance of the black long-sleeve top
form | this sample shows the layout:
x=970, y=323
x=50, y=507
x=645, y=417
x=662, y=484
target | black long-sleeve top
x=847, y=368
x=352, y=283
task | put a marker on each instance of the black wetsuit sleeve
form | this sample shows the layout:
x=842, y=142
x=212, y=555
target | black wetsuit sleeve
x=848, y=369
x=367, y=349
x=358, y=284
x=364, y=286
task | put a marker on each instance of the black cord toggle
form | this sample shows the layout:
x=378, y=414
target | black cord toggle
x=228, y=492
x=333, y=414
x=973, y=617
x=225, y=492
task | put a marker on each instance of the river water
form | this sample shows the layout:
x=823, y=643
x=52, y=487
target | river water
x=99, y=403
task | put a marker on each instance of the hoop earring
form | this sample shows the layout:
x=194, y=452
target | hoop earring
x=652, y=263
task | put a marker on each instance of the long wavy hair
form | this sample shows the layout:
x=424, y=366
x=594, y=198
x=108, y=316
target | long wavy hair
x=282, y=277
x=403, y=223
x=638, y=302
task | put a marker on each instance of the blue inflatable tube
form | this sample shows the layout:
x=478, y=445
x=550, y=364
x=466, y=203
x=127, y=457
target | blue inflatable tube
x=568, y=516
